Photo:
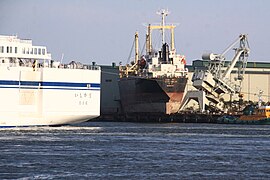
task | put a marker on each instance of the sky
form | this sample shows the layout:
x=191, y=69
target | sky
x=102, y=31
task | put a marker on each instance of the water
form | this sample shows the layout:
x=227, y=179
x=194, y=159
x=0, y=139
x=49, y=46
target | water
x=105, y=150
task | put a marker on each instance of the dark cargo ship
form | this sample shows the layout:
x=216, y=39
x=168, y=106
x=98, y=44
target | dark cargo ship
x=156, y=81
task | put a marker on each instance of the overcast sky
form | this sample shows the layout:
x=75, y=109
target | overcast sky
x=103, y=30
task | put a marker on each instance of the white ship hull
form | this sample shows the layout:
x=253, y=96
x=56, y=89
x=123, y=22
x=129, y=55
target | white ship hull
x=48, y=96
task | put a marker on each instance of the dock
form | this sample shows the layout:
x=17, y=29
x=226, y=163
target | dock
x=256, y=75
x=183, y=117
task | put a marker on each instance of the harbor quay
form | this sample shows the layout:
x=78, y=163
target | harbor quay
x=255, y=85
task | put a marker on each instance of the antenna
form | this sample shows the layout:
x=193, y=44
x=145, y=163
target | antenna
x=62, y=58
x=260, y=98
x=163, y=13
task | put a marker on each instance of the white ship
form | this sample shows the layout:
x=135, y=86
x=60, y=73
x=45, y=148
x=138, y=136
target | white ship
x=37, y=91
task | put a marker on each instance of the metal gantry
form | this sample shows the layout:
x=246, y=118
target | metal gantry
x=215, y=81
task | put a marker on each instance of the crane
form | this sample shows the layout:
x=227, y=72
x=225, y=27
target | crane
x=212, y=83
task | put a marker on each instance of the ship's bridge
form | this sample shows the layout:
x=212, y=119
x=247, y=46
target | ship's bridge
x=15, y=52
x=13, y=47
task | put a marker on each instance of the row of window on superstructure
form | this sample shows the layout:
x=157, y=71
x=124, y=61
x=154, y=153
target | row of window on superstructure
x=36, y=51
x=8, y=49
x=39, y=51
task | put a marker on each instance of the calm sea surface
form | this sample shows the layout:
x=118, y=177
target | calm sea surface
x=109, y=150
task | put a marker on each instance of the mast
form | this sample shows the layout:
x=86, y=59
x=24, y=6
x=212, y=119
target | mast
x=163, y=13
x=124, y=72
x=148, y=40
x=172, y=39
x=161, y=27
x=136, y=47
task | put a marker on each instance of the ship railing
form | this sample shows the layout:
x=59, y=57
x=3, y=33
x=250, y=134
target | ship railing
x=86, y=67
x=24, y=63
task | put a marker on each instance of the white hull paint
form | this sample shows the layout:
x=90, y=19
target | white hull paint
x=48, y=96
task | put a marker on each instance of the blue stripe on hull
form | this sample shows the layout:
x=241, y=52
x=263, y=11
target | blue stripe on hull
x=70, y=89
x=10, y=87
x=15, y=126
x=49, y=85
x=6, y=82
x=69, y=84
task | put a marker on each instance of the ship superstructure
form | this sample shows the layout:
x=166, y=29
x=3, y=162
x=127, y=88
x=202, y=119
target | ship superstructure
x=35, y=90
x=159, y=76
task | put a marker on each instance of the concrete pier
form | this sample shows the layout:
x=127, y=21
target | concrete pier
x=160, y=118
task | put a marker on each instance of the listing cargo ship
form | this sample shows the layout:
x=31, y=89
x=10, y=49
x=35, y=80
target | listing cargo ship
x=154, y=82
x=37, y=91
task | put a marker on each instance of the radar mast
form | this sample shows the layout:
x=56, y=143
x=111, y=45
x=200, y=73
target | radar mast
x=163, y=13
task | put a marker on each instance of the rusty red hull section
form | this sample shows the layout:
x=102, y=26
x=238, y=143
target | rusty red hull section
x=162, y=95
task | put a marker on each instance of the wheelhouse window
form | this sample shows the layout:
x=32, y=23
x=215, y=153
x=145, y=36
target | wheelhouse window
x=16, y=50
x=43, y=51
x=1, y=49
x=9, y=49
x=35, y=51
x=39, y=51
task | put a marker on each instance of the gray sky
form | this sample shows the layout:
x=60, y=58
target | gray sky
x=103, y=30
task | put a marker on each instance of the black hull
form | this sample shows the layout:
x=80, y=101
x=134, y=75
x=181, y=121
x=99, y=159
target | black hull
x=156, y=95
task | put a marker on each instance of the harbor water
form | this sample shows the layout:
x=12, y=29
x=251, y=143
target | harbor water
x=112, y=150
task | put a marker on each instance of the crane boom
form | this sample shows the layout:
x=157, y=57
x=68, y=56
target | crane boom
x=230, y=67
x=215, y=81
